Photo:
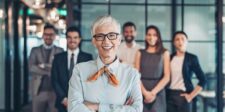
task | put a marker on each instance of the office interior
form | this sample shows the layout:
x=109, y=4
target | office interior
x=21, y=28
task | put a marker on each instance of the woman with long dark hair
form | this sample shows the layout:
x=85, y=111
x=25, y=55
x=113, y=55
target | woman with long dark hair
x=153, y=62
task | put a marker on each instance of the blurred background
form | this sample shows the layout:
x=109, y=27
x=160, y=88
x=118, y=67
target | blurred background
x=22, y=21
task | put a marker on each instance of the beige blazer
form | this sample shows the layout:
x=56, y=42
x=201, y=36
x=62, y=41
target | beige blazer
x=36, y=58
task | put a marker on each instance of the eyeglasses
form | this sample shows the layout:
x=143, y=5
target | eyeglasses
x=110, y=36
x=49, y=34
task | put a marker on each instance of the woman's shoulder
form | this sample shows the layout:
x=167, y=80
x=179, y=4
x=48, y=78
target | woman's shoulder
x=166, y=52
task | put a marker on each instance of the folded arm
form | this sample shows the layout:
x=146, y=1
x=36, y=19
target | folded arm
x=35, y=67
x=75, y=94
x=135, y=95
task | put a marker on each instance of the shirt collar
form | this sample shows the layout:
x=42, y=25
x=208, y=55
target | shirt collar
x=48, y=46
x=112, y=67
x=75, y=52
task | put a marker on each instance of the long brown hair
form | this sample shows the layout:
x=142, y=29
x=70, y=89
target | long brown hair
x=159, y=45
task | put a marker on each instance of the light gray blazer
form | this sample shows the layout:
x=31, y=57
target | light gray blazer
x=36, y=58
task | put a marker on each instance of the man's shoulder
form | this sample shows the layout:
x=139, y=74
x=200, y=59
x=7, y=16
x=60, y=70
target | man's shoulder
x=62, y=54
x=36, y=48
x=85, y=53
x=58, y=48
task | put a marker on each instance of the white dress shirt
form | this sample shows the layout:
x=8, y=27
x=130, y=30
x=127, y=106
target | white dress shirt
x=127, y=54
x=48, y=46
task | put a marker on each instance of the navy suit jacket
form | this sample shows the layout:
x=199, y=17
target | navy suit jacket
x=191, y=65
x=60, y=74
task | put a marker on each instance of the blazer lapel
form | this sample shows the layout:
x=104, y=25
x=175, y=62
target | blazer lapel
x=51, y=57
x=185, y=64
x=42, y=54
x=79, y=57
x=65, y=64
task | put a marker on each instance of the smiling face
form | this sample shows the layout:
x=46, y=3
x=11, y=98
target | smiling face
x=129, y=34
x=73, y=40
x=151, y=37
x=180, y=42
x=106, y=48
x=49, y=36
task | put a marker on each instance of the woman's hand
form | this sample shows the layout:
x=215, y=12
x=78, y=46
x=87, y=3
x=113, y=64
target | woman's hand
x=149, y=97
x=188, y=97
x=91, y=106
x=129, y=101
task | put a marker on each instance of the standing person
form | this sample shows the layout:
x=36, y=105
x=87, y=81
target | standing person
x=153, y=63
x=40, y=64
x=105, y=84
x=63, y=65
x=128, y=49
x=181, y=91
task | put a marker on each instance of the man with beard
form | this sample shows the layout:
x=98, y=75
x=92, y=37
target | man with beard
x=40, y=64
x=63, y=65
x=128, y=49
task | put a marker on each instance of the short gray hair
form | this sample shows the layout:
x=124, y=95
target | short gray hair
x=103, y=20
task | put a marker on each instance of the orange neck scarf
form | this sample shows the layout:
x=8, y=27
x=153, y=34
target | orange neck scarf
x=111, y=77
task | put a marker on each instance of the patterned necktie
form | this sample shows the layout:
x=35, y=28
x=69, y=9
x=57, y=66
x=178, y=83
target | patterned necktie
x=71, y=64
x=111, y=77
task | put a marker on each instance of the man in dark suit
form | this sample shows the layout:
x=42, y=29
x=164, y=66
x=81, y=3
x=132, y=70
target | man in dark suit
x=63, y=65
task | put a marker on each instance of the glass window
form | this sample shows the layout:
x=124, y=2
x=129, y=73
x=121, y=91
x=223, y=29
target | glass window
x=142, y=43
x=127, y=1
x=160, y=16
x=168, y=46
x=159, y=1
x=88, y=47
x=197, y=1
x=199, y=22
x=178, y=18
x=95, y=1
x=206, y=54
x=89, y=14
x=123, y=13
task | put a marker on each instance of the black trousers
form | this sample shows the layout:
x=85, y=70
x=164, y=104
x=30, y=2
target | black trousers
x=177, y=103
x=61, y=108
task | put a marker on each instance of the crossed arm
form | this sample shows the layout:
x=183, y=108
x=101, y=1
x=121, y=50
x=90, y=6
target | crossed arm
x=77, y=102
x=35, y=67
